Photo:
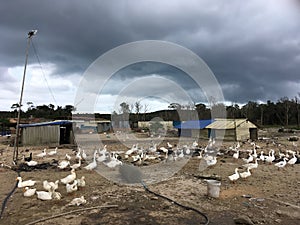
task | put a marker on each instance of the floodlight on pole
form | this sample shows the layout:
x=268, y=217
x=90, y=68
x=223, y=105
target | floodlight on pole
x=16, y=143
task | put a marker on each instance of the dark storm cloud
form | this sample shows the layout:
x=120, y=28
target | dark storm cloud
x=252, y=47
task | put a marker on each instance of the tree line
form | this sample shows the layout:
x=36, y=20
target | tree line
x=284, y=112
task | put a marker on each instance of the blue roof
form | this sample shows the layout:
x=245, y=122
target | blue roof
x=57, y=122
x=192, y=124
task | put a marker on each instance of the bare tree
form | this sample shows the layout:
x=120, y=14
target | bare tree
x=146, y=108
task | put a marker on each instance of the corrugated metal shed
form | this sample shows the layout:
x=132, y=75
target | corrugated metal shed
x=230, y=124
x=41, y=135
x=233, y=129
x=47, y=133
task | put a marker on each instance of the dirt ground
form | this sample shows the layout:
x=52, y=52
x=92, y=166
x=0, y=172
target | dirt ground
x=268, y=196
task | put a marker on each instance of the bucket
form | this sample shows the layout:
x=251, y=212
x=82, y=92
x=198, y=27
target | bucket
x=213, y=188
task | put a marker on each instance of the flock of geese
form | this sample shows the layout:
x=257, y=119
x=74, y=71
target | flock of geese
x=251, y=162
x=144, y=156
x=71, y=182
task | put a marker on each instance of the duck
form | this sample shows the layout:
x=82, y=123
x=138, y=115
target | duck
x=246, y=173
x=63, y=164
x=77, y=201
x=81, y=182
x=31, y=163
x=281, y=164
x=77, y=165
x=293, y=160
x=42, y=154
x=234, y=176
x=70, y=178
x=93, y=164
x=71, y=187
x=27, y=183
x=44, y=195
x=54, y=152
x=28, y=192
x=169, y=145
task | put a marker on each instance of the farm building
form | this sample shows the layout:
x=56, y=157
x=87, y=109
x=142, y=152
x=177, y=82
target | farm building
x=47, y=133
x=167, y=125
x=192, y=128
x=103, y=126
x=232, y=129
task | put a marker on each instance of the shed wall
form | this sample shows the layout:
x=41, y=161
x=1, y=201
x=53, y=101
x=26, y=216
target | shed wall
x=41, y=135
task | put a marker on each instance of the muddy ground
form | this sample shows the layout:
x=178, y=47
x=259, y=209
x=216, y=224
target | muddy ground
x=268, y=196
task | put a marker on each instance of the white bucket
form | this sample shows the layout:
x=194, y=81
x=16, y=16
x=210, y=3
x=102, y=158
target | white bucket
x=213, y=188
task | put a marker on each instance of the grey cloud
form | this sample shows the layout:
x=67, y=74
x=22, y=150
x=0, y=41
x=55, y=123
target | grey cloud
x=252, y=47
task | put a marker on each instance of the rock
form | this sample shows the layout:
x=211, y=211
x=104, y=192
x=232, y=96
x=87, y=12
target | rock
x=154, y=198
x=278, y=221
x=243, y=220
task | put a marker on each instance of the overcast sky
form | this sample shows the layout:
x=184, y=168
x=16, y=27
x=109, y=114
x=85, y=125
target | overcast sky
x=252, y=47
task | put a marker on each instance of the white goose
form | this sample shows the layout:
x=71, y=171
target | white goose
x=77, y=201
x=81, y=182
x=281, y=164
x=63, y=164
x=27, y=183
x=68, y=157
x=293, y=160
x=44, y=195
x=54, y=152
x=70, y=178
x=93, y=164
x=269, y=159
x=46, y=185
x=251, y=165
x=249, y=159
x=246, y=173
x=77, y=165
x=210, y=160
x=31, y=163
x=114, y=162
x=43, y=154
x=28, y=192
x=71, y=187
x=236, y=155
x=83, y=154
x=54, y=185
x=262, y=157
x=234, y=176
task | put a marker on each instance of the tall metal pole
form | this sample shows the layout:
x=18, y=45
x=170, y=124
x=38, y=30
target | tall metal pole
x=16, y=144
